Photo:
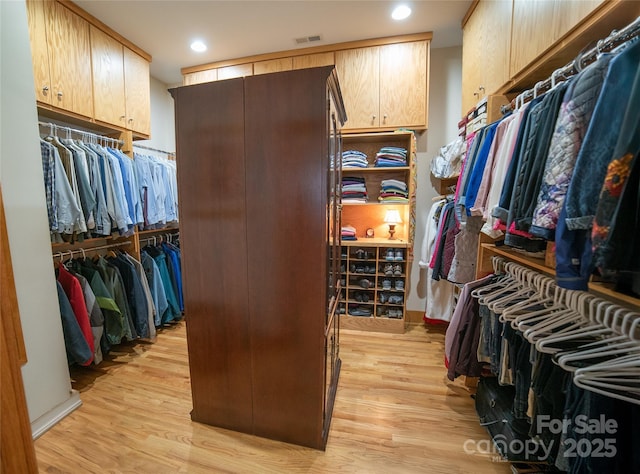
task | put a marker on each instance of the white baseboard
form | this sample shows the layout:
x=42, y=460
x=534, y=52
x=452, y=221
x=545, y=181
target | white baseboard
x=49, y=419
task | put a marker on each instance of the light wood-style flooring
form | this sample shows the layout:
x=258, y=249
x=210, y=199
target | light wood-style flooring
x=395, y=412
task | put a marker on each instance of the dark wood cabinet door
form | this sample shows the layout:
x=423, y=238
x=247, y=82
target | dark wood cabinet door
x=213, y=233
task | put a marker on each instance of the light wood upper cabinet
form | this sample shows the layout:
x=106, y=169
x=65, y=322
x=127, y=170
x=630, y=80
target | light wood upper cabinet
x=107, y=58
x=529, y=40
x=485, y=51
x=61, y=57
x=272, y=65
x=359, y=77
x=69, y=60
x=384, y=87
x=37, y=15
x=231, y=72
x=403, y=85
x=199, y=77
x=137, y=89
x=313, y=60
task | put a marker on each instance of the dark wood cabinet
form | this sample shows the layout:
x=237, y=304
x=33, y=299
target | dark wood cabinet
x=260, y=222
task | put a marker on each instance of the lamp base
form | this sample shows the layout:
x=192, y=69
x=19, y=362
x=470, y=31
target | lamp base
x=392, y=230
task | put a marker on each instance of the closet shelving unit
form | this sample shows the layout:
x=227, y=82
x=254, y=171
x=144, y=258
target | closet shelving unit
x=385, y=316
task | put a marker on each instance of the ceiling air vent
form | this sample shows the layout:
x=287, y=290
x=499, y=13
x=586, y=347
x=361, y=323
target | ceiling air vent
x=308, y=39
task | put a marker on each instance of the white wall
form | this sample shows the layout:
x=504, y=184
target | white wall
x=46, y=374
x=163, y=135
x=445, y=103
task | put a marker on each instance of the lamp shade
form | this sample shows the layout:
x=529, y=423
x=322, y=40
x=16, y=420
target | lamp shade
x=392, y=217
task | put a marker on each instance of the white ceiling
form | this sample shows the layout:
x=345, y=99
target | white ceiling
x=234, y=29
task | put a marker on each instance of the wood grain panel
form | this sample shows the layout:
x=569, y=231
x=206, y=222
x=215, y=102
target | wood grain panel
x=213, y=233
x=70, y=60
x=286, y=127
x=403, y=84
x=570, y=13
x=314, y=60
x=231, y=72
x=37, y=15
x=108, y=78
x=16, y=445
x=395, y=412
x=496, y=45
x=273, y=65
x=137, y=92
x=473, y=71
x=199, y=77
x=358, y=72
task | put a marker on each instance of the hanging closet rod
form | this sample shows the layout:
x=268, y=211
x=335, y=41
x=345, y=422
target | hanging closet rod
x=166, y=237
x=172, y=153
x=70, y=253
x=615, y=38
x=55, y=127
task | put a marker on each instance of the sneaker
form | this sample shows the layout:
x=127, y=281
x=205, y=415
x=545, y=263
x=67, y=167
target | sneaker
x=364, y=283
x=399, y=255
x=397, y=270
x=381, y=311
x=390, y=256
x=388, y=269
x=399, y=286
x=395, y=299
x=383, y=298
x=358, y=297
x=361, y=254
x=386, y=284
x=359, y=269
x=343, y=282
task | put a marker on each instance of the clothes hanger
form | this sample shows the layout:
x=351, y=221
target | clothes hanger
x=620, y=344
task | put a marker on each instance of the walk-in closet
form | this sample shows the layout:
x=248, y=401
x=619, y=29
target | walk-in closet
x=367, y=236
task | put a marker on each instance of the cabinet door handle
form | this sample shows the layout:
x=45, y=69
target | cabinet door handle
x=130, y=120
x=45, y=89
x=59, y=95
x=123, y=117
x=373, y=120
x=384, y=119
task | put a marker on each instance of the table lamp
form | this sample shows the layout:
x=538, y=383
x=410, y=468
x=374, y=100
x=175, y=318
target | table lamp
x=392, y=217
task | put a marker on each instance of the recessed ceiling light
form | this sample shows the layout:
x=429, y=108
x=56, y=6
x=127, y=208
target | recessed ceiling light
x=401, y=12
x=198, y=46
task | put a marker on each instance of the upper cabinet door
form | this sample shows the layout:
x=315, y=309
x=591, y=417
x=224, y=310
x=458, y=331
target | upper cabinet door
x=358, y=73
x=40, y=56
x=69, y=60
x=403, y=85
x=108, y=78
x=137, y=92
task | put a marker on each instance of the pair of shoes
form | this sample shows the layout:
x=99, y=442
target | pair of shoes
x=394, y=255
x=383, y=297
x=395, y=313
x=386, y=284
x=365, y=269
x=397, y=270
x=361, y=297
x=399, y=285
x=365, y=283
x=388, y=269
x=381, y=311
x=359, y=311
x=395, y=299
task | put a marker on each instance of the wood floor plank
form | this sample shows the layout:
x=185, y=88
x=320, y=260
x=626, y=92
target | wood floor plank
x=395, y=412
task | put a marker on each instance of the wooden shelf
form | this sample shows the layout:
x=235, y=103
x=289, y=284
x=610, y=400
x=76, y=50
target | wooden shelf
x=375, y=169
x=602, y=289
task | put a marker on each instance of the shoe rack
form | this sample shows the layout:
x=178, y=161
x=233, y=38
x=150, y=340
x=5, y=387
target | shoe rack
x=373, y=279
